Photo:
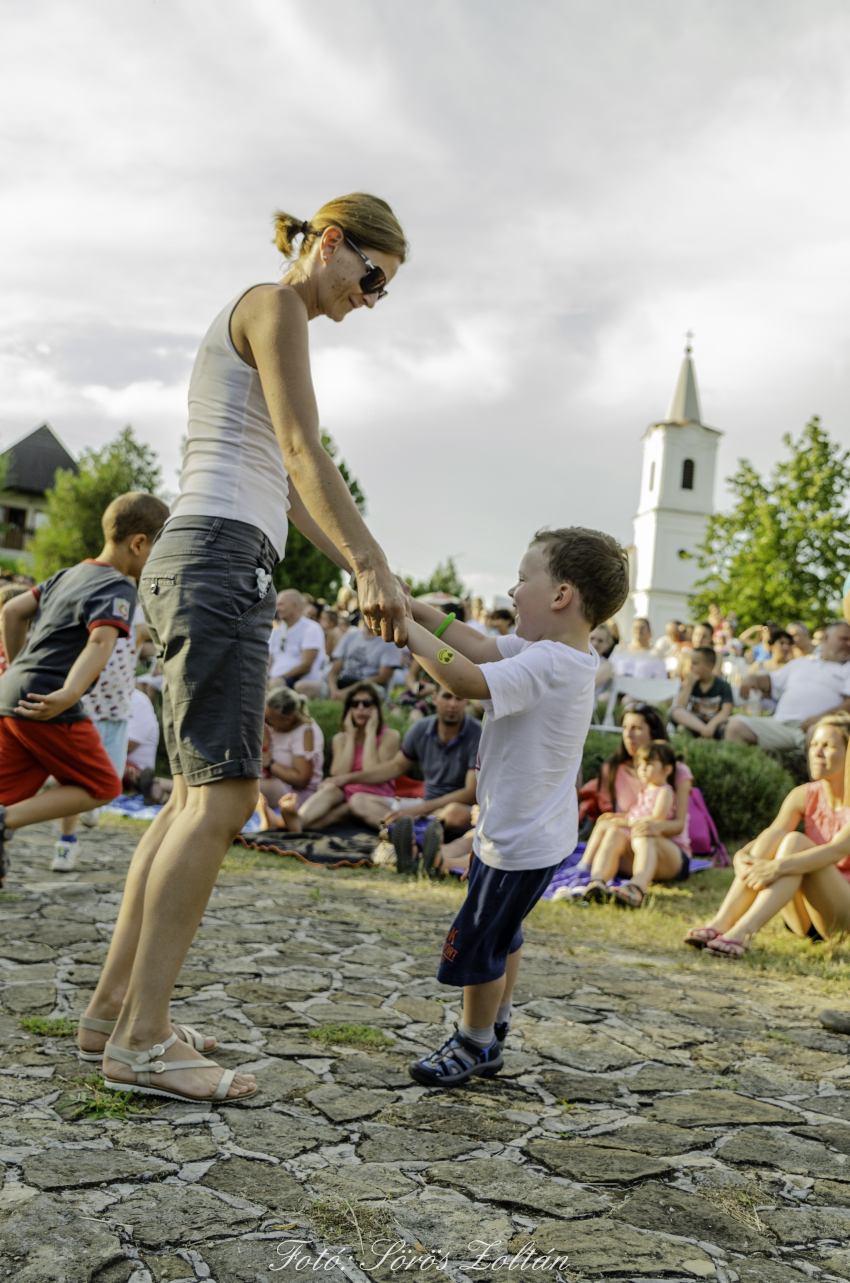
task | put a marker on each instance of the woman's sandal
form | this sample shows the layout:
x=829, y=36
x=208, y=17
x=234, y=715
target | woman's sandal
x=185, y=1032
x=596, y=892
x=726, y=948
x=143, y=1065
x=700, y=937
x=628, y=896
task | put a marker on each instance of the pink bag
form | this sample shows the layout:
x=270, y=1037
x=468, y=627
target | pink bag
x=705, y=841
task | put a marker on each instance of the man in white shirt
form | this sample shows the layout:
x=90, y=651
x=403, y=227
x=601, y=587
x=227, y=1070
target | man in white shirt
x=298, y=650
x=361, y=656
x=805, y=690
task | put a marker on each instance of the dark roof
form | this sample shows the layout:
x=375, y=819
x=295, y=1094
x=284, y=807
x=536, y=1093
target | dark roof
x=34, y=459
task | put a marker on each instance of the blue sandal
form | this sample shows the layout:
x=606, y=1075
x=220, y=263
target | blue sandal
x=456, y=1062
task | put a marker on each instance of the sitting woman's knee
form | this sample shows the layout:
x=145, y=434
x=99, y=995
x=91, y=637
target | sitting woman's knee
x=455, y=816
x=358, y=803
x=741, y=861
x=793, y=842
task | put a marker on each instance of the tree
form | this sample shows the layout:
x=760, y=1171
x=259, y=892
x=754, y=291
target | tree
x=783, y=551
x=444, y=579
x=76, y=503
x=304, y=567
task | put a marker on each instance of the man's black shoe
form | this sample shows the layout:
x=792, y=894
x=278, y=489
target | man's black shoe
x=402, y=839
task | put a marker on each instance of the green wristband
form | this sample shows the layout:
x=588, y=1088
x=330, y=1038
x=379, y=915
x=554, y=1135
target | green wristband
x=448, y=620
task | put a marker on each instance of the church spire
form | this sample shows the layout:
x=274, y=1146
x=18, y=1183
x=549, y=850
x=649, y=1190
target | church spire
x=684, y=408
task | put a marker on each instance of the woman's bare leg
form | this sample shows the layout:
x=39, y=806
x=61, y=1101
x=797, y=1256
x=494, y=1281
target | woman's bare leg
x=655, y=860
x=613, y=848
x=273, y=790
x=826, y=895
x=324, y=807
x=108, y=997
x=739, y=899
x=179, y=882
x=775, y=897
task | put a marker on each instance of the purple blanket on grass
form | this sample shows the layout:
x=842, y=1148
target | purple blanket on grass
x=575, y=879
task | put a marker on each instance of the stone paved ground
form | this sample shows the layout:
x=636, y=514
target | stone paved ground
x=707, y=1133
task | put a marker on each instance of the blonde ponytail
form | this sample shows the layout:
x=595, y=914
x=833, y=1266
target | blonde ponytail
x=368, y=220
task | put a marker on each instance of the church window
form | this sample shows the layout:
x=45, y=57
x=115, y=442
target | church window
x=652, y=476
x=688, y=474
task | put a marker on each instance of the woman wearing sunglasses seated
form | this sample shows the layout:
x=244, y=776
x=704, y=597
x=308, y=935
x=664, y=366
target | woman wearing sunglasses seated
x=363, y=742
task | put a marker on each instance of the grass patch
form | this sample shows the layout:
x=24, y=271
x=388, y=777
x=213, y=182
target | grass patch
x=338, y=1221
x=657, y=929
x=5, y=896
x=96, y=1102
x=49, y=1027
x=363, y=1036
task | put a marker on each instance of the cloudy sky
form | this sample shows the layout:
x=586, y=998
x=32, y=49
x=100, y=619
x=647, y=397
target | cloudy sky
x=582, y=181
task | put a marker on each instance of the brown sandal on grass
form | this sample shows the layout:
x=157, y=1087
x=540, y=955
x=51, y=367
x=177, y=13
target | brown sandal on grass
x=596, y=892
x=723, y=947
x=700, y=937
x=628, y=896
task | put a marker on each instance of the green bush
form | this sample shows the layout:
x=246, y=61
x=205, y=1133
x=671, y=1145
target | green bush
x=743, y=787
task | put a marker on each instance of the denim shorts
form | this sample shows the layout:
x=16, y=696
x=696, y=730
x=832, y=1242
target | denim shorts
x=488, y=925
x=208, y=599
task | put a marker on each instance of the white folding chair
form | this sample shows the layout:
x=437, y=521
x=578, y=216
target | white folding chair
x=648, y=690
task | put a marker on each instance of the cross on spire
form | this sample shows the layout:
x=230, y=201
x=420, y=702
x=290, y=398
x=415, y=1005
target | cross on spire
x=689, y=335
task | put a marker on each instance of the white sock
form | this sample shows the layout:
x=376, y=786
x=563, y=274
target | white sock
x=480, y=1037
x=503, y=1015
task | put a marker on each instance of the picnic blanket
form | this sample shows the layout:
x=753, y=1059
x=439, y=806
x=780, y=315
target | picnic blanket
x=575, y=879
x=341, y=846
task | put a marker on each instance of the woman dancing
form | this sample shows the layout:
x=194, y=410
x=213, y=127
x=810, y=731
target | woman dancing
x=253, y=452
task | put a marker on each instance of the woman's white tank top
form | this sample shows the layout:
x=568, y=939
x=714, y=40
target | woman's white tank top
x=232, y=467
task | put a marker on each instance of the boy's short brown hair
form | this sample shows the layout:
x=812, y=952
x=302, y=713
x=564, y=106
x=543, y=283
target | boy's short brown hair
x=135, y=513
x=594, y=563
x=705, y=653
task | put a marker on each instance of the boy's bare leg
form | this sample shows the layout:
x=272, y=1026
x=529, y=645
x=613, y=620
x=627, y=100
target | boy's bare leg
x=68, y=825
x=179, y=882
x=52, y=804
x=481, y=1003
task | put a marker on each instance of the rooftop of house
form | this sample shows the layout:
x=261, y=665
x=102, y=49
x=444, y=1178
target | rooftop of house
x=34, y=460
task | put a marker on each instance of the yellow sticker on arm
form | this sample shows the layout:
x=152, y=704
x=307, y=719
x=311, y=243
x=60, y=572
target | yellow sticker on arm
x=445, y=655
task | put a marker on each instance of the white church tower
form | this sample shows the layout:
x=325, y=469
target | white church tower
x=676, y=497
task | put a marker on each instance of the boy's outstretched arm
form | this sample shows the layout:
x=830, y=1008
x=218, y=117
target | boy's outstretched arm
x=445, y=664
x=472, y=644
x=88, y=665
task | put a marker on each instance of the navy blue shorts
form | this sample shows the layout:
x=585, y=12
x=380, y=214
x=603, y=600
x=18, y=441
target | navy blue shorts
x=489, y=924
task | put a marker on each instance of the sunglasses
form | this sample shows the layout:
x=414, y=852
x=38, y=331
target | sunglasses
x=362, y=703
x=375, y=279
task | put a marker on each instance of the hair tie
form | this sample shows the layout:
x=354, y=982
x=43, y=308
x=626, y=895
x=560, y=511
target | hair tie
x=305, y=229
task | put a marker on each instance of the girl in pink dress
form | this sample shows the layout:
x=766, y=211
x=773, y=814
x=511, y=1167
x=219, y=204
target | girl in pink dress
x=805, y=877
x=637, y=842
x=362, y=743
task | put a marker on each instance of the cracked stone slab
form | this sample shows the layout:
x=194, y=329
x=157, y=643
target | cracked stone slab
x=23, y=1090
x=263, y=991
x=572, y=1087
x=456, y=1120
x=758, y=1270
x=361, y=1182
x=836, y=1136
x=454, y=1228
x=505, y=1182
x=717, y=1109
x=344, y=1104
x=593, y=1163
x=397, y=1144
x=674, y=1211
x=832, y=1193
x=421, y=1010
x=762, y=1148
x=75, y=1168
x=246, y=1261
x=652, y=1078
x=807, y=1224
x=29, y=999
x=836, y=1106
x=56, y=1245
x=165, y=1215
x=578, y=1048
x=347, y=1013
x=265, y=1131
x=259, y=1182
x=372, y=1071
x=656, y=1138
x=276, y=1081
x=604, y=1247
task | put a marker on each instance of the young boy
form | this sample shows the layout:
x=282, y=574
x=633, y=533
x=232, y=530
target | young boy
x=537, y=687
x=704, y=703
x=79, y=615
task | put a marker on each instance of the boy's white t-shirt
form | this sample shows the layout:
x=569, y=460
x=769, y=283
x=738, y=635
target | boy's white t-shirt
x=538, y=715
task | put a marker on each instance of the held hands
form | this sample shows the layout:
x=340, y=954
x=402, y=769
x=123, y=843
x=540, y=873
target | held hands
x=763, y=873
x=384, y=604
x=41, y=708
x=646, y=828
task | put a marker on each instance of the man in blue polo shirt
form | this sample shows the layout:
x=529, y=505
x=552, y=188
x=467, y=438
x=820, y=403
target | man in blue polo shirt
x=446, y=748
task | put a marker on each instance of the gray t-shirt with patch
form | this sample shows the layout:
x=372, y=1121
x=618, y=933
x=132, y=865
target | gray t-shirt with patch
x=70, y=605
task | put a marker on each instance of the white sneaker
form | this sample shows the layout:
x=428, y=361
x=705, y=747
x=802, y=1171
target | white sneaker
x=65, y=859
x=90, y=818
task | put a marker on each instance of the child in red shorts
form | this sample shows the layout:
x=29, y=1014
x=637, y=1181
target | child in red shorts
x=78, y=616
